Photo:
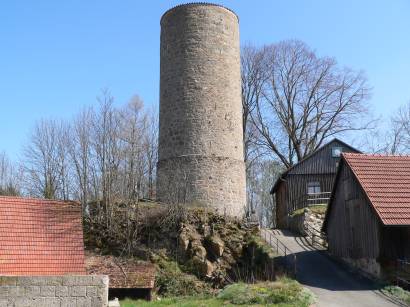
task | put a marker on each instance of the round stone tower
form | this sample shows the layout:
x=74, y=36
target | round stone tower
x=201, y=158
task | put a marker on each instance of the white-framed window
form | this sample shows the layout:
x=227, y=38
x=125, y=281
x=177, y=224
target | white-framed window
x=313, y=187
x=336, y=152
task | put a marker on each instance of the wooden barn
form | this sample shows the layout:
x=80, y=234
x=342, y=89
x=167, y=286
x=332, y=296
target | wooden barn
x=308, y=182
x=368, y=219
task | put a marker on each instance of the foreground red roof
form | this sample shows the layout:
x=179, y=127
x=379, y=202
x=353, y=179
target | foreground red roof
x=386, y=181
x=40, y=237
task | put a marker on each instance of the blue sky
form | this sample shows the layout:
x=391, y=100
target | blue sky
x=55, y=56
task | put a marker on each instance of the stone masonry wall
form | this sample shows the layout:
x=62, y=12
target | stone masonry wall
x=54, y=291
x=200, y=106
x=202, y=181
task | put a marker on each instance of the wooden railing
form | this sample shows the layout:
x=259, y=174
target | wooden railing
x=315, y=236
x=311, y=199
x=403, y=273
x=321, y=198
x=282, y=249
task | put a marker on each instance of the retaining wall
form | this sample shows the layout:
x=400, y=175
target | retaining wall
x=54, y=291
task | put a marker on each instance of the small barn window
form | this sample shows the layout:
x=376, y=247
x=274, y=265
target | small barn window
x=336, y=152
x=313, y=187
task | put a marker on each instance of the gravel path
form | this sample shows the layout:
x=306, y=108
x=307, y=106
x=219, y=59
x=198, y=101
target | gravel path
x=332, y=283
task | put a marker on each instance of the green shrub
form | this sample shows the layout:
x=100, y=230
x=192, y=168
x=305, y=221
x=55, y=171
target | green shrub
x=172, y=281
x=281, y=292
x=398, y=293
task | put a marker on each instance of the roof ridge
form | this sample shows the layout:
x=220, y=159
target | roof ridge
x=375, y=155
x=23, y=198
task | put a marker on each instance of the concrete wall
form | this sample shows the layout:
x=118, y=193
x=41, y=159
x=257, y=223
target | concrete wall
x=54, y=291
x=200, y=135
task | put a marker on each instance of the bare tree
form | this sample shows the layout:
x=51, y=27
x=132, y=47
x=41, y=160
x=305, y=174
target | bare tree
x=46, y=166
x=261, y=177
x=9, y=176
x=306, y=99
x=392, y=136
x=254, y=76
x=398, y=138
x=79, y=149
x=151, y=150
x=133, y=129
x=106, y=148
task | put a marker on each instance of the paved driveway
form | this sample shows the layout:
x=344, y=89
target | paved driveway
x=331, y=282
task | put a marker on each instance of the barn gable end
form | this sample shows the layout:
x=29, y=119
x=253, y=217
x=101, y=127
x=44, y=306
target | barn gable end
x=313, y=175
x=368, y=218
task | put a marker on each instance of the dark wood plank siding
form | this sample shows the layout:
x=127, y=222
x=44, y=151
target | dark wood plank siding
x=353, y=228
x=394, y=242
x=298, y=188
x=321, y=162
x=319, y=167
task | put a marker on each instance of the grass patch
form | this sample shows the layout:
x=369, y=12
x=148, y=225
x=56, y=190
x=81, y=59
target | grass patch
x=398, y=293
x=282, y=293
x=317, y=209
x=175, y=302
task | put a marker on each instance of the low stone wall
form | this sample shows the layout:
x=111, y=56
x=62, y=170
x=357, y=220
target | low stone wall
x=54, y=291
x=300, y=223
x=297, y=223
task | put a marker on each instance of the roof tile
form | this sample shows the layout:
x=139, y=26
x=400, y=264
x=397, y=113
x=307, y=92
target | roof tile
x=40, y=237
x=386, y=181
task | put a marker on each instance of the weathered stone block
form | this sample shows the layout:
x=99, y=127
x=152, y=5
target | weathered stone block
x=4, y=291
x=77, y=291
x=103, y=292
x=61, y=291
x=17, y=291
x=47, y=302
x=99, y=280
x=83, y=302
x=24, y=302
x=68, y=302
x=32, y=291
x=48, y=291
x=97, y=302
x=216, y=245
x=39, y=281
x=92, y=291
x=81, y=280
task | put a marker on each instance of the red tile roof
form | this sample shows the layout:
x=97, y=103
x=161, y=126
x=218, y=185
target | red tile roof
x=386, y=181
x=40, y=237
